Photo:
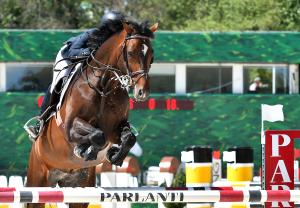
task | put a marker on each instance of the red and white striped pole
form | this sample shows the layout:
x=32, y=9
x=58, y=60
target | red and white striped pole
x=146, y=195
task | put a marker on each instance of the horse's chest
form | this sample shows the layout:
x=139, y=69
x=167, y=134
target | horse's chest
x=119, y=109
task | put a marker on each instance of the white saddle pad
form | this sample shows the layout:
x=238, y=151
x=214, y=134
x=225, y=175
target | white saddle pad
x=66, y=86
x=61, y=70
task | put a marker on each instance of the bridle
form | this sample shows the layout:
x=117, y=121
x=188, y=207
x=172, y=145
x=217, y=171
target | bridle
x=142, y=72
x=126, y=80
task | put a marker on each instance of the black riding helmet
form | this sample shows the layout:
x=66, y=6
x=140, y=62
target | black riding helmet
x=113, y=19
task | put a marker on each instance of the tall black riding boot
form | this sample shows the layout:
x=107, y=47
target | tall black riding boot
x=48, y=106
x=46, y=101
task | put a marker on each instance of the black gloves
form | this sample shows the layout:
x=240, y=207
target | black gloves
x=85, y=51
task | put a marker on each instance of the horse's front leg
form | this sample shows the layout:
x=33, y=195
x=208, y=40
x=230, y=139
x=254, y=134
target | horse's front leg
x=89, y=140
x=116, y=155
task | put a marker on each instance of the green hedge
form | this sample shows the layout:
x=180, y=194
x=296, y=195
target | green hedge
x=220, y=121
x=178, y=47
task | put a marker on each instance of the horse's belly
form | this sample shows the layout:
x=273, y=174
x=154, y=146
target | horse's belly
x=65, y=159
x=75, y=178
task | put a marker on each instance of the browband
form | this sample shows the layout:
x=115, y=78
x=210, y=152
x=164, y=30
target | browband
x=137, y=37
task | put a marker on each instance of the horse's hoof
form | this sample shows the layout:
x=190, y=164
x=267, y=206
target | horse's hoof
x=119, y=163
x=112, y=156
x=90, y=154
x=112, y=152
x=80, y=149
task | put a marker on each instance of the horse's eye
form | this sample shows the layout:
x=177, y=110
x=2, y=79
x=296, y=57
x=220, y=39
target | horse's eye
x=152, y=59
x=130, y=53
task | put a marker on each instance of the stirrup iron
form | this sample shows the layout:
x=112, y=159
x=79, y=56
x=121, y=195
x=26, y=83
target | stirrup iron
x=30, y=125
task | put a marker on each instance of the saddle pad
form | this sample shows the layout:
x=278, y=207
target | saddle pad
x=60, y=69
x=66, y=85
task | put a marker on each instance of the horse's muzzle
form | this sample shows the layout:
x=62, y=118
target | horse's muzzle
x=140, y=94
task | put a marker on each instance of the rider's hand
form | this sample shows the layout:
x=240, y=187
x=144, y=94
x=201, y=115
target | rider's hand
x=86, y=52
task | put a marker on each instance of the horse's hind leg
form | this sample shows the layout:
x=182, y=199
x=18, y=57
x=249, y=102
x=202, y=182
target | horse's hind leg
x=82, y=178
x=90, y=181
x=78, y=205
x=36, y=175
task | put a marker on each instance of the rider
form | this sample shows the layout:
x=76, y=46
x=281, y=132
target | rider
x=76, y=47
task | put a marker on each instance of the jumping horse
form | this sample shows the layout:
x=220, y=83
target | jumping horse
x=94, y=113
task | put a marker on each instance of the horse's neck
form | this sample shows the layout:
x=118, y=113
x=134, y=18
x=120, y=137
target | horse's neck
x=110, y=50
x=108, y=54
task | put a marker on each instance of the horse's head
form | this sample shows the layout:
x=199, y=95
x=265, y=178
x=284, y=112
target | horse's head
x=138, y=56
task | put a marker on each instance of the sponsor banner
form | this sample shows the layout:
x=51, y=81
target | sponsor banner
x=279, y=162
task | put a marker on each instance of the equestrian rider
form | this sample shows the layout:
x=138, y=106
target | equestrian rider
x=75, y=48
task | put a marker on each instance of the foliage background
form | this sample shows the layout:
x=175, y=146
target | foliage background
x=221, y=15
x=220, y=121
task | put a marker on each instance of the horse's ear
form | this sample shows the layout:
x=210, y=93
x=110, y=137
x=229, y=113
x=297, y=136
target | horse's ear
x=127, y=28
x=154, y=27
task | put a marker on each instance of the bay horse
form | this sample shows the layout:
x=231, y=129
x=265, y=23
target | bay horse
x=94, y=113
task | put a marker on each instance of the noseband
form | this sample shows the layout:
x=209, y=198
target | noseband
x=125, y=79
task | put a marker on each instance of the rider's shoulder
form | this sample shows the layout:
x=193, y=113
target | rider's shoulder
x=82, y=36
x=92, y=31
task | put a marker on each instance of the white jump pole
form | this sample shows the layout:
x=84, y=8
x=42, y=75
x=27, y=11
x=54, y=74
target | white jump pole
x=96, y=195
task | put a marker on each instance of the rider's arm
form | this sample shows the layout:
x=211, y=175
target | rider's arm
x=78, y=44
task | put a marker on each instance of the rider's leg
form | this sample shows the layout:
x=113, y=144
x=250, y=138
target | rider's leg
x=46, y=101
x=51, y=98
x=48, y=106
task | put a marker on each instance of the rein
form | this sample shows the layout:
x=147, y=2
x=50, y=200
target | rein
x=125, y=79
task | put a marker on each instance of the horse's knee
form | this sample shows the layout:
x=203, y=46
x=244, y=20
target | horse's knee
x=77, y=137
x=128, y=138
x=83, y=132
x=82, y=127
x=97, y=138
x=89, y=145
x=90, y=140
x=116, y=155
